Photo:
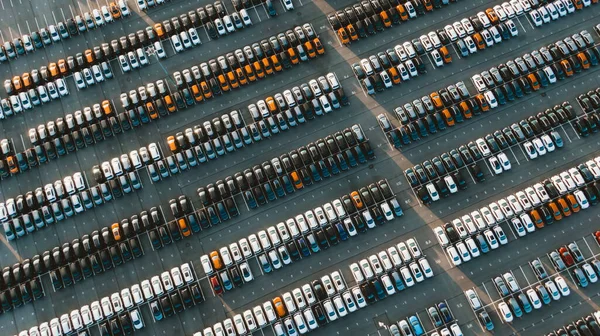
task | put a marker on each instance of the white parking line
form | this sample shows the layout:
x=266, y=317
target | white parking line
x=521, y=24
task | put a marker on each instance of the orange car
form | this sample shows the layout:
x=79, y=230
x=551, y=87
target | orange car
x=319, y=46
x=206, y=91
x=115, y=11
x=555, y=211
x=293, y=57
x=567, y=67
x=533, y=81
x=185, y=229
x=585, y=64
x=223, y=82
x=428, y=5
x=402, y=12
x=232, y=80
x=215, y=259
x=266, y=66
x=62, y=66
x=107, y=107
x=578, y=4
x=197, y=93
x=537, y=219
x=170, y=105
x=249, y=73
x=26, y=78
x=89, y=56
x=279, y=307
x=352, y=32
x=356, y=200
x=53, y=69
x=394, y=75
x=465, y=109
x=296, y=180
x=309, y=49
x=343, y=35
x=573, y=203
x=17, y=83
x=275, y=62
x=482, y=103
x=564, y=207
x=437, y=101
x=151, y=111
x=158, y=28
x=116, y=231
x=492, y=15
x=385, y=19
x=479, y=41
x=445, y=55
x=11, y=162
x=239, y=73
x=448, y=117
x=271, y=104
x=172, y=144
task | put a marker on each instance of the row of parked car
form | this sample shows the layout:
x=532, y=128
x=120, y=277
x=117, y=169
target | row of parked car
x=302, y=167
x=432, y=113
x=394, y=66
x=541, y=67
x=440, y=316
x=534, y=207
x=31, y=98
x=583, y=271
x=68, y=264
x=368, y=17
x=585, y=325
x=296, y=312
x=34, y=200
x=64, y=204
x=307, y=233
x=251, y=62
x=63, y=30
x=555, y=10
x=472, y=34
x=119, y=312
x=74, y=204
x=189, y=220
x=270, y=116
x=589, y=101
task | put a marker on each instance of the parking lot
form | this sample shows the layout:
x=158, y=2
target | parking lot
x=448, y=284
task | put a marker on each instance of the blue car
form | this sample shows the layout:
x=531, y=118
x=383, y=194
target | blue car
x=416, y=325
x=486, y=320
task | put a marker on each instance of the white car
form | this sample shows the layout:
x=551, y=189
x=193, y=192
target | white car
x=463, y=251
x=500, y=234
x=568, y=180
x=206, y=264
x=504, y=161
x=534, y=299
x=505, y=312
x=147, y=289
x=86, y=315
x=432, y=192
x=581, y=199
x=424, y=264
x=453, y=254
x=136, y=293
x=495, y=164
x=577, y=178
x=366, y=268
x=473, y=299
x=449, y=180
x=441, y=236
x=472, y=247
x=107, y=308
x=562, y=286
x=491, y=239
x=186, y=271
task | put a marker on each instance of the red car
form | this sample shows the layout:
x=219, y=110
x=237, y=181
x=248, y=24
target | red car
x=216, y=285
x=597, y=234
x=566, y=256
